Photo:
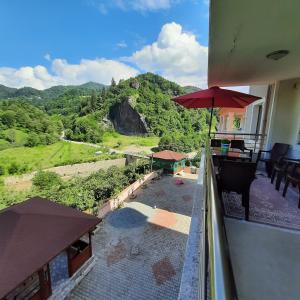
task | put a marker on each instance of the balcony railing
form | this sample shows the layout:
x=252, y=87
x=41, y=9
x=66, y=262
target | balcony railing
x=253, y=141
x=219, y=281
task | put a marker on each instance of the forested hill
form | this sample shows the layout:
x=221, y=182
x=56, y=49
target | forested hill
x=50, y=93
x=149, y=95
x=87, y=112
x=22, y=124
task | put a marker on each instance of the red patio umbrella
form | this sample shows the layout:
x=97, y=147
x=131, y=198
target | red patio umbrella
x=215, y=97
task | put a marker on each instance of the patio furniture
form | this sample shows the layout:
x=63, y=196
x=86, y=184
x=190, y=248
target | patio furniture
x=293, y=177
x=278, y=151
x=285, y=165
x=215, y=143
x=236, y=176
x=240, y=144
x=230, y=155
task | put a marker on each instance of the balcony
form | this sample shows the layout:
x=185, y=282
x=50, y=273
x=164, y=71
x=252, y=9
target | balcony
x=238, y=259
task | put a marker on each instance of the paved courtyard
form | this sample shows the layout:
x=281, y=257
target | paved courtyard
x=140, y=248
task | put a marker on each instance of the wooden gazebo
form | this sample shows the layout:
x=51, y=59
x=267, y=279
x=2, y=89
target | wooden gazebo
x=33, y=234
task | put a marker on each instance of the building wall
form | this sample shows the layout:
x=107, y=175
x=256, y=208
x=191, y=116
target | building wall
x=227, y=116
x=252, y=109
x=286, y=115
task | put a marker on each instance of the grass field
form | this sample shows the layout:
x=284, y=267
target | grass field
x=119, y=141
x=19, y=135
x=42, y=157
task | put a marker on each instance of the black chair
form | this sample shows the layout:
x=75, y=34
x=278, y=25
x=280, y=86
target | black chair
x=236, y=176
x=215, y=143
x=293, y=177
x=285, y=165
x=240, y=144
x=278, y=151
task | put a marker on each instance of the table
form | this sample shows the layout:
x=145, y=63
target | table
x=235, y=155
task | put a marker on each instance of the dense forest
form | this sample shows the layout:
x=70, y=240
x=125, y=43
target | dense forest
x=86, y=118
x=22, y=124
x=83, y=112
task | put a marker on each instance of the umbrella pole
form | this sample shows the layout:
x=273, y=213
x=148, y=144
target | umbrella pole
x=211, y=115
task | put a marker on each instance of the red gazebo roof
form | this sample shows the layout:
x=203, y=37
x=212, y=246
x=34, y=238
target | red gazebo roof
x=169, y=155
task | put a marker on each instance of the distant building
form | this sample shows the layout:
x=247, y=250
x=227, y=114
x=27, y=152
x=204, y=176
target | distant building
x=171, y=162
x=231, y=119
x=42, y=245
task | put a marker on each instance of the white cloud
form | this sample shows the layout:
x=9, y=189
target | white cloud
x=47, y=56
x=139, y=5
x=98, y=70
x=176, y=55
x=122, y=45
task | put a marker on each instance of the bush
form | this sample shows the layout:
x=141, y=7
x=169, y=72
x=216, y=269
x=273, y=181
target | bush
x=13, y=168
x=46, y=180
x=32, y=140
x=2, y=170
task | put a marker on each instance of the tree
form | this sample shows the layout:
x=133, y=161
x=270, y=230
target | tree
x=11, y=136
x=2, y=170
x=13, y=168
x=32, y=140
x=46, y=180
x=113, y=82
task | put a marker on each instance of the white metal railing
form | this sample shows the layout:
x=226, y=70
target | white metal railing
x=221, y=281
x=253, y=141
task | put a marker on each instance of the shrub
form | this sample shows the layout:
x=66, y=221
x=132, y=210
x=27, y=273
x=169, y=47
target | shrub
x=13, y=168
x=32, y=140
x=46, y=180
x=2, y=170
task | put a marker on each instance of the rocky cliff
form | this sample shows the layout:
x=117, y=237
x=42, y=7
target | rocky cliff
x=127, y=120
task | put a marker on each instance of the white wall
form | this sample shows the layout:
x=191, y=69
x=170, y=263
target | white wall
x=251, y=116
x=286, y=113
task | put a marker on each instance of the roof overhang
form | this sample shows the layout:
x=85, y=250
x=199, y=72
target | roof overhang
x=243, y=32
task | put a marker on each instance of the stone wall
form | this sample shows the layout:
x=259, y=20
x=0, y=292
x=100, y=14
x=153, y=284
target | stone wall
x=112, y=204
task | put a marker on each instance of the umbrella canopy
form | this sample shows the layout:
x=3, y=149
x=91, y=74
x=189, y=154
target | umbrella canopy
x=215, y=97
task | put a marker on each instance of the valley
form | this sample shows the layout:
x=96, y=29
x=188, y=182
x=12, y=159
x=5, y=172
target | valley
x=75, y=125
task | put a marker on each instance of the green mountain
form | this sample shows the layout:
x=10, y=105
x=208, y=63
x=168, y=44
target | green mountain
x=140, y=105
x=50, y=93
x=137, y=106
x=190, y=89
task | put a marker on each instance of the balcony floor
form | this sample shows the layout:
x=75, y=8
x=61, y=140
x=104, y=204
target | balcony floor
x=266, y=205
x=140, y=248
x=265, y=260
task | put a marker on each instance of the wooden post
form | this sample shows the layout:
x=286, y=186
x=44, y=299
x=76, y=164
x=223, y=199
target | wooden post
x=90, y=244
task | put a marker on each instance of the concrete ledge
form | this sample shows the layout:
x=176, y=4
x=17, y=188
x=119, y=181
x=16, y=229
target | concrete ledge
x=63, y=290
x=190, y=288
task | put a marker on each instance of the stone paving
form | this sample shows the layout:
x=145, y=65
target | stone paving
x=140, y=248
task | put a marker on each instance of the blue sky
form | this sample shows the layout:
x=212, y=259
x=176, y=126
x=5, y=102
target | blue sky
x=49, y=42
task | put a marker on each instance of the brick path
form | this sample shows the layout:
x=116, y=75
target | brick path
x=140, y=248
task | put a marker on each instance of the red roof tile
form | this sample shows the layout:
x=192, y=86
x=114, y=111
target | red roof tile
x=169, y=155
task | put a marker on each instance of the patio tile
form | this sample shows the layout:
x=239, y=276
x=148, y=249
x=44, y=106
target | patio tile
x=163, y=271
x=118, y=252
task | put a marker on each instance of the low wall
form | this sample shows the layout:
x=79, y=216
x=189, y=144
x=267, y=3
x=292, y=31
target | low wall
x=113, y=203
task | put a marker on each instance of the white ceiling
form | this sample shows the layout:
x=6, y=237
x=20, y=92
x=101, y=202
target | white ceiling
x=243, y=32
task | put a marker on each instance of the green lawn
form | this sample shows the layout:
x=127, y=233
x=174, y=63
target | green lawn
x=42, y=157
x=19, y=135
x=119, y=141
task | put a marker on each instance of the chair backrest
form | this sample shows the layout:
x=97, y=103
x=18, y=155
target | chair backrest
x=215, y=143
x=238, y=144
x=279, y=150
x=294, y=152
x=236, y=176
